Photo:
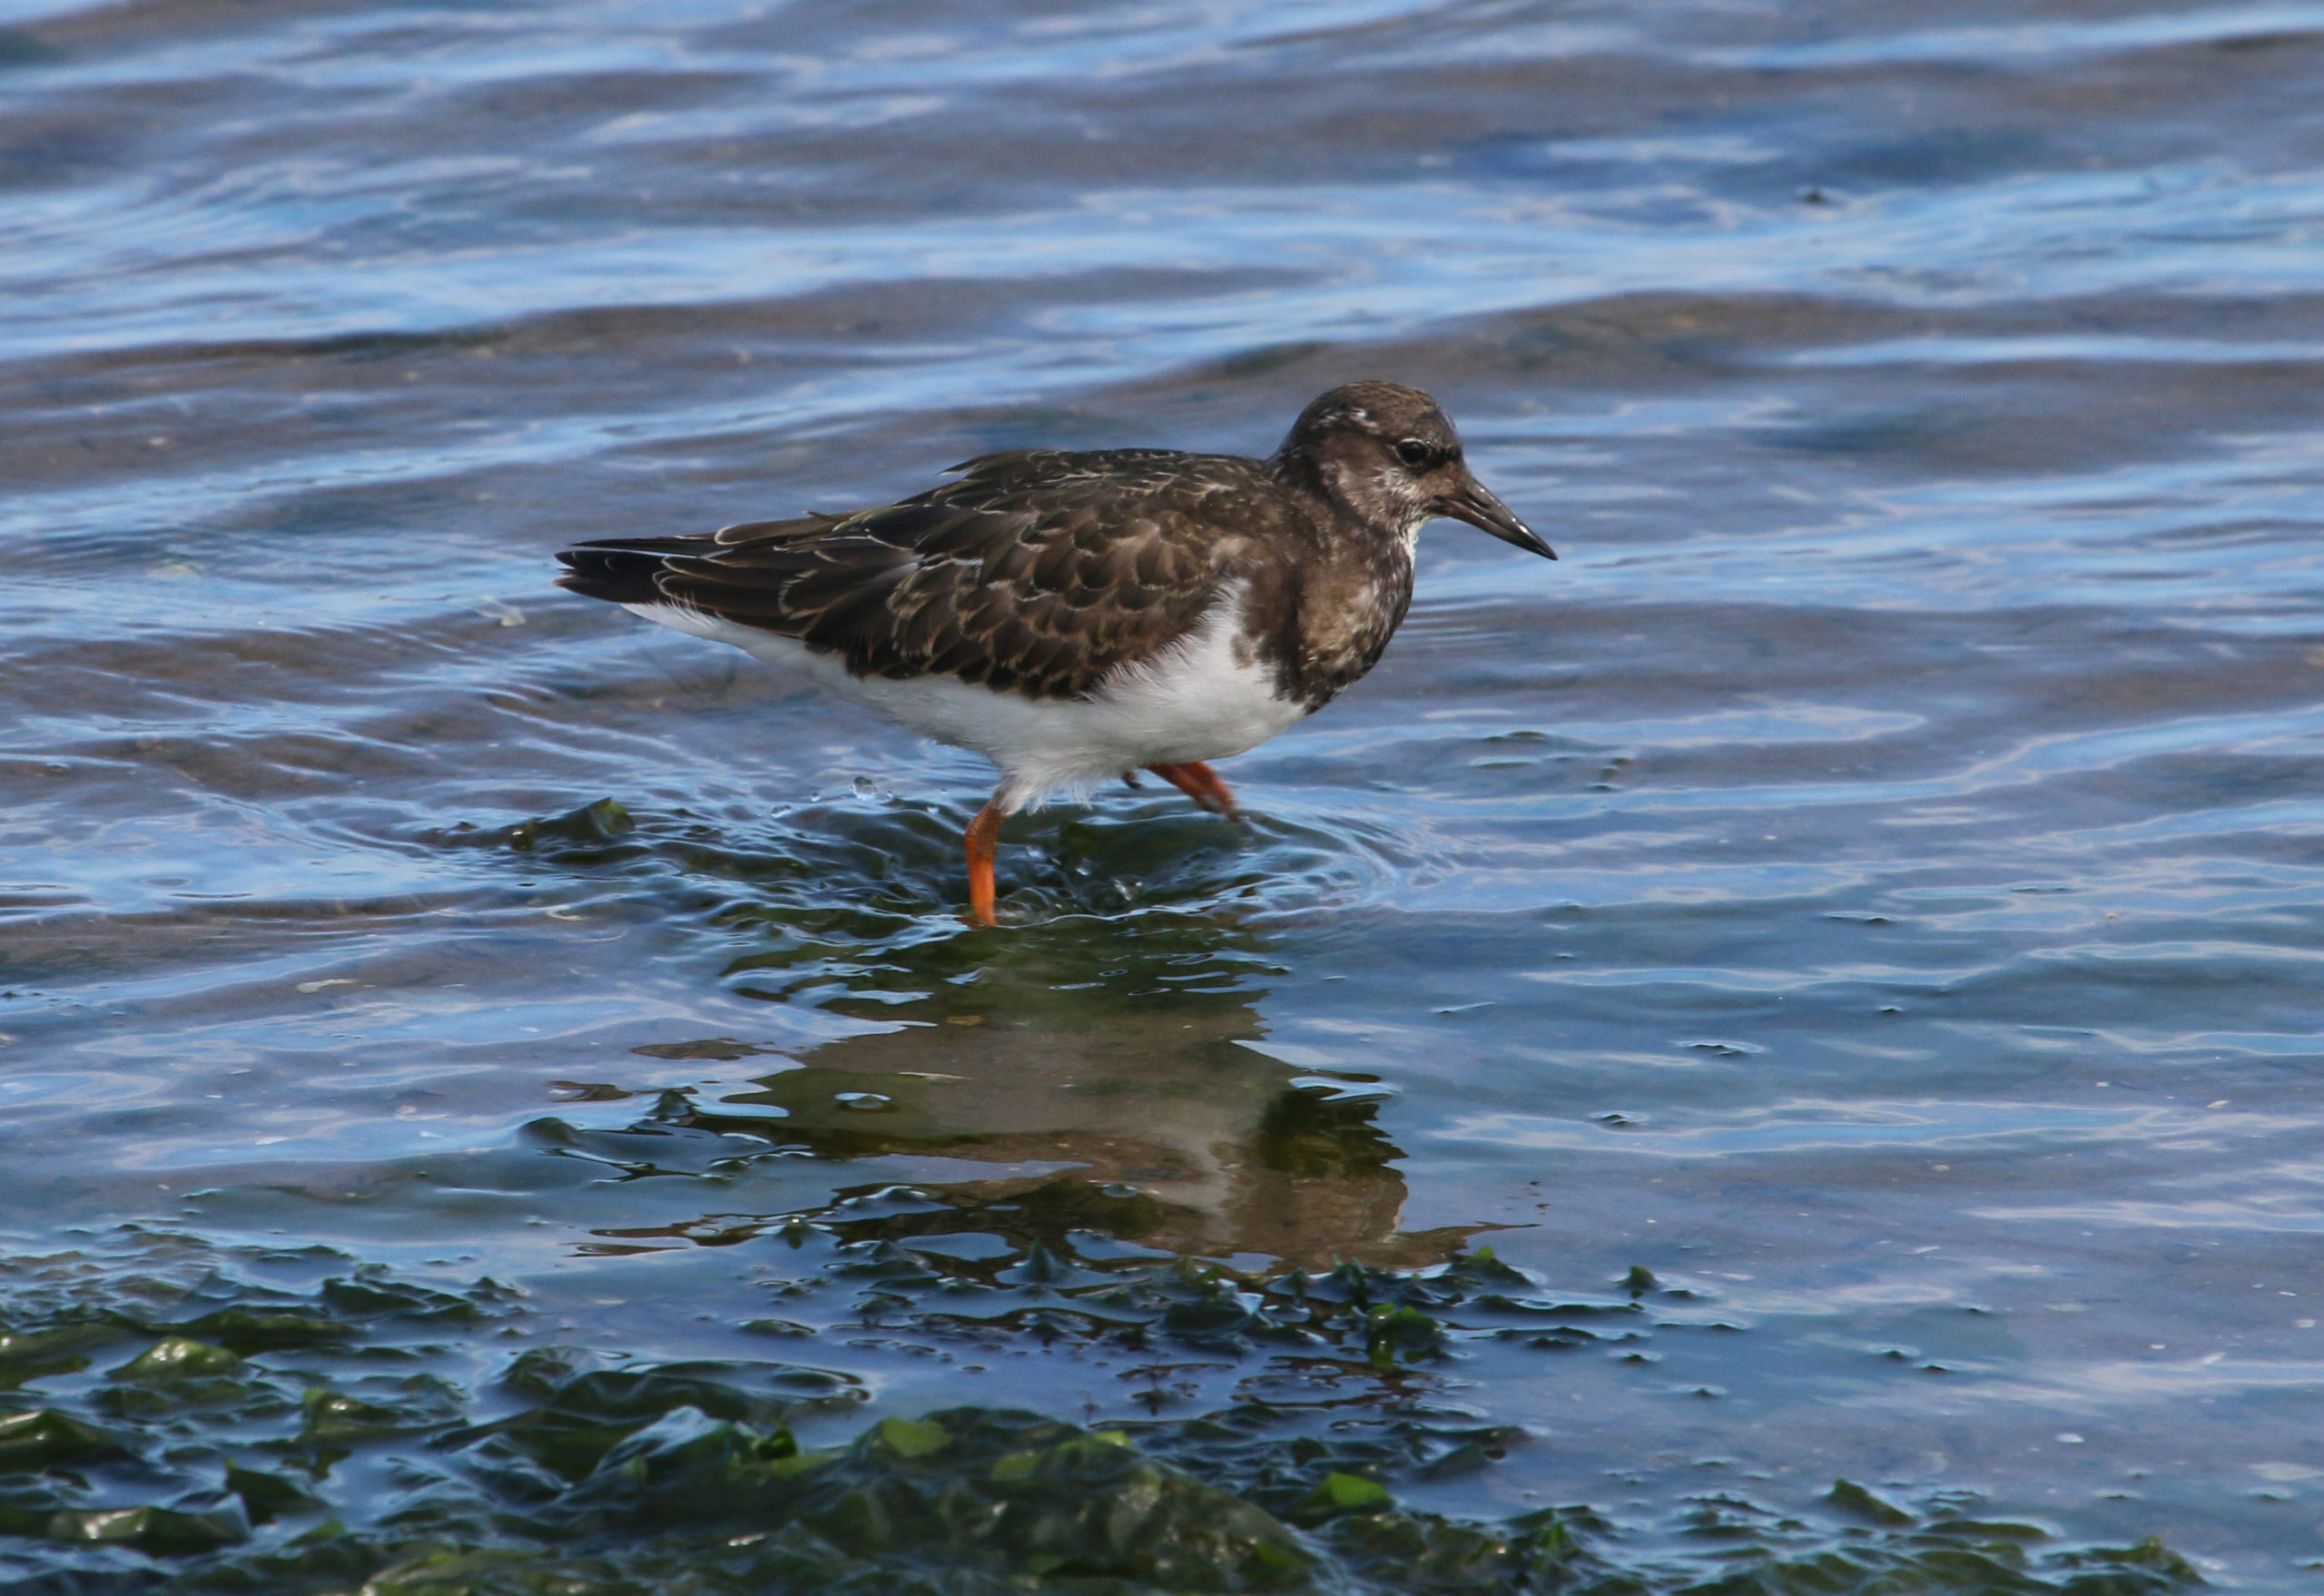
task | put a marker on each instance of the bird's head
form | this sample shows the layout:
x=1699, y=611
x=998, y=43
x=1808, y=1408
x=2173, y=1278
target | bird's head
x=1389, y=454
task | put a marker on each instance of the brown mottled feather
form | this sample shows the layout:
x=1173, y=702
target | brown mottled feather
x=999, y=577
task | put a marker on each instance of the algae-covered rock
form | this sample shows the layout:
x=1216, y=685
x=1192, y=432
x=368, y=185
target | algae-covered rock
x=1016, y=1492
x=248, y=1331
x=178, y=1373
x=165, y=1532
x=460, y=1572
x=200, y=1456
x=1958, y=1557
x=63, y=1349
x=386, y=1408
x=43, y=1439
x=1848, y=1497
x=586, y=1411
x=597, y=823
x=372, y=1293
x=175, y=1358
x=1336, y=1493
x=267, y=1496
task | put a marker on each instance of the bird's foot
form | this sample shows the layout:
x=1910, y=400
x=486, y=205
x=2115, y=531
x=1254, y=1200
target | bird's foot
x=1199, y=782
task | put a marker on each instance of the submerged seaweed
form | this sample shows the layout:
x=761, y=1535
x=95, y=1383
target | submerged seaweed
x=193, y=1417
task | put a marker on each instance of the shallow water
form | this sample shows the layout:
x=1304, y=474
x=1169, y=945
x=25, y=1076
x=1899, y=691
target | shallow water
x=1871, y=881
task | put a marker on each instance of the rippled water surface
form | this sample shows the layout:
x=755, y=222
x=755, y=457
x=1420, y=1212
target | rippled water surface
x=1871, y=883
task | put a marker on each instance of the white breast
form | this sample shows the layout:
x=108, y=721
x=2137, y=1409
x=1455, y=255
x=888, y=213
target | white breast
x=1194, y=700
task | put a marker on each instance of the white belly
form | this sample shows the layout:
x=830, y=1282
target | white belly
x=1192, y=701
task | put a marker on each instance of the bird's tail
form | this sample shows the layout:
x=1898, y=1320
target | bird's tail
x=628, y=570
x=623, y=570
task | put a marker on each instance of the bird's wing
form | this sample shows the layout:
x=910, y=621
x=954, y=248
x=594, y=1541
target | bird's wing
x=1039, y=571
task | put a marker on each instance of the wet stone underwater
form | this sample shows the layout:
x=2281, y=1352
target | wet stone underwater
x=1774, y=1055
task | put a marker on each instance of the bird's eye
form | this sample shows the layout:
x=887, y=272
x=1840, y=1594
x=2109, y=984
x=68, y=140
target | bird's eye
x=1413, y=452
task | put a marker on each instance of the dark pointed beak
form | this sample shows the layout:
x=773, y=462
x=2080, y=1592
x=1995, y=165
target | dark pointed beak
x=1476, y=505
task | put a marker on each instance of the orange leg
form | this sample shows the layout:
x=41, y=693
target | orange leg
x=984, y=837
x=1199, y=782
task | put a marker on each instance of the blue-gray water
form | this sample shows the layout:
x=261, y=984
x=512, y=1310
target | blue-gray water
x=1875, y=876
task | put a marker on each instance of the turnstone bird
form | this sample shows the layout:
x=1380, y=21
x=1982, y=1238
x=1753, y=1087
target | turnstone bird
x=1077, y=616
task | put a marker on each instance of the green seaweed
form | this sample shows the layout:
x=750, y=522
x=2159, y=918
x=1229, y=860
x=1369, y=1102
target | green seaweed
x=42, y=1439
x=61, y=1350
x=591, y=825
x=1848, y=1497
x=210, y=1463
